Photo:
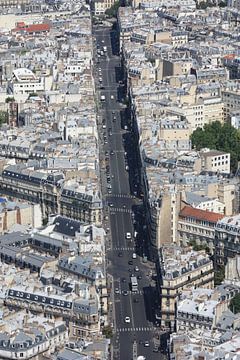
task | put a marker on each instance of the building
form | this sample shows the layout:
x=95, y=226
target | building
x=195, y=225
x=13, y=3
x=100, y=6
x=35, y=336
x=12, y=213
x=25, y=81
x=231, y=100
x=227, y=236
x=177, y=269
x=45, y=189
x=215, y=161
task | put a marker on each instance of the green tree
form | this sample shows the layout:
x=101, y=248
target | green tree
x=222, y=4
x=9, y=99
x=113, y=10
x=107, y=331
x=217, y=136
x=219, y=275
x=235, y=304
x=3, y=117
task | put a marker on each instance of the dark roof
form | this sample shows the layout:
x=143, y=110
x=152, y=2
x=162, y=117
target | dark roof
x=66, y=226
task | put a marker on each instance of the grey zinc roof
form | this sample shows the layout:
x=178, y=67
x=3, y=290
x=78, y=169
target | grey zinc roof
x=83, y=307
x=71, y=355
x=195, y=199
x=22, y=337
x=78, y=266
x=12, y=238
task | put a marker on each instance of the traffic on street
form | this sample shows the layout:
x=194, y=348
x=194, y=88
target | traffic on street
x=135, y=329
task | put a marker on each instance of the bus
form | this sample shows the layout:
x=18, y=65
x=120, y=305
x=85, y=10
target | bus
x=134, y=284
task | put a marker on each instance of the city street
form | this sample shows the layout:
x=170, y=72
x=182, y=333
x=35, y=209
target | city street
x=134, y=335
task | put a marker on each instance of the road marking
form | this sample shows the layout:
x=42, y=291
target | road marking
x=135, y=329
x=121, y=196
x=112, y=209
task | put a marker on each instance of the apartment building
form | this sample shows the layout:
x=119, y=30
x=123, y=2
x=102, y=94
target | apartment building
x=45, y=189
x=162, y=214
x=231, y=100
x=37, y=337
x=227, y=239
x=198, y=226
x=201, y=111
x=13, y=3
x=12, y=213
x=215, y=161
x=177, y=269
x=82, y=314
x=100, y=6
x=25, y=81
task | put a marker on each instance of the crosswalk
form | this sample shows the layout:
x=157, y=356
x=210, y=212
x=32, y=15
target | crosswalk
x=134, y=329
x=121, y=292
x=113, y=210
x=122, y=196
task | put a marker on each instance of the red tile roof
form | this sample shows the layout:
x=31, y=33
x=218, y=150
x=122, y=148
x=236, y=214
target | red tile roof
x=34, y=28
x=198, y=214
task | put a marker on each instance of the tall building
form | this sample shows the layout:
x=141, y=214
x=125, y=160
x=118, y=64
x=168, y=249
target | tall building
x=177, y=269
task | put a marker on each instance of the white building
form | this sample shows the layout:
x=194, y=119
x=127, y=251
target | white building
x=25, y=81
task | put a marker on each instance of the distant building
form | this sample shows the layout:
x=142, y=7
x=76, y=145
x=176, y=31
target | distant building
x=100, y=6
x=215, y=161
x=13, y=3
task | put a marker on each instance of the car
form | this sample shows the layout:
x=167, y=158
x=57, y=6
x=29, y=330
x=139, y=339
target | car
x=113, y=112
x=112, y=152
x=104, y=126
x=112, y=97
x=109, y=191
x=128, y=235
x=124, y=206
x=109, y=186
x=110, y=133
x=134, y=256
x=108, y=180
x=126, y=167
x=155, y=349
x=110, y=204
x=136, y=268
x=127, y=319
x=102, y=41
x=124, y=280
x=130, y=262
x=139, y=277
x=117, y=291
x=102, y=87
x=120, y=254
x=146, y=344
x=125, y=292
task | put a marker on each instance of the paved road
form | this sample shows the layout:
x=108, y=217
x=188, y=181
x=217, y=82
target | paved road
x=121, y=206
